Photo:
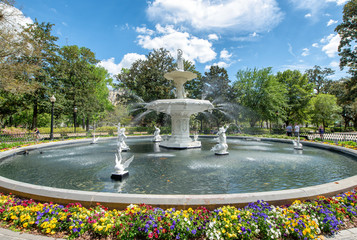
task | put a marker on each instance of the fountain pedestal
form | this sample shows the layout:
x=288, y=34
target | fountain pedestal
x=180, y=109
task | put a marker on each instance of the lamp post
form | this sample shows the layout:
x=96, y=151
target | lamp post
x=75, y=119
x=53, y=100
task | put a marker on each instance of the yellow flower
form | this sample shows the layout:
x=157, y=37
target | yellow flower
x=25, y=225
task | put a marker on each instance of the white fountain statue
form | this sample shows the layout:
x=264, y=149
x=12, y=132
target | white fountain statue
x=180, y=109
x=121, y=139
x=297, y=144
x=157, y=137
x=95, y=139
x=120, y=166
x=221, y=147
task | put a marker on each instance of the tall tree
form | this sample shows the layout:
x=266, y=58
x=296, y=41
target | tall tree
x=324, y=109
x=348, y=44
x=145, y=82
x=216, y=88
x=261, y=93
x=145, y=78
x=44, y=56
x=298, y=92
x=318, y=77
x=74, y=74
x=13, y=44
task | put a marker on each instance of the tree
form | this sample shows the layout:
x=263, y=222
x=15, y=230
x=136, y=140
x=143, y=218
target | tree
x=261, y=93
x=318, y=77
x=298, y=92
x=348, y=44
x=43, y=56
x=14, y=43
x=145, y=82
x=74, y=77
x=145, y=78
x=216, y=88
x=324, y=109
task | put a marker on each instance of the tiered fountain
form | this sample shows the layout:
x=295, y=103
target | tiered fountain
x=180, y=109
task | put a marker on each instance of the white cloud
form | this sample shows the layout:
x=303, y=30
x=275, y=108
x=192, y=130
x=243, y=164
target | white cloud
x=314, y=6
x=167, y=37
x=225, y=55
x=315, y=45
x=305, y=52
x=338, y=2
x=290, y=49
x=220, y=64
x=144, y=30
x=331, y=22
x=113, y=68
x=331, y=44
x=334, y=64
x=240, y=15
x=213, y=37
x=251, y=37
x=13, y=18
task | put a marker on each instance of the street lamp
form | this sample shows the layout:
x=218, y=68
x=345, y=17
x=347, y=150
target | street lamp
x=53, y=100
x=75, y=119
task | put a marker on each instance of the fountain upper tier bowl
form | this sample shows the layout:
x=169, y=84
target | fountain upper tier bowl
x=180, y=111
x=184, y=106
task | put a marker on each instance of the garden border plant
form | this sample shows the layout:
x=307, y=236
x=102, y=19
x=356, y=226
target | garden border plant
x=259, y=220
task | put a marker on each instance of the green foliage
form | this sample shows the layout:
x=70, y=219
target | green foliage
x=324, y=109
x=261, y=94
x=318, y=78
x=347, y=49
x=297, y=94
x=145, y=78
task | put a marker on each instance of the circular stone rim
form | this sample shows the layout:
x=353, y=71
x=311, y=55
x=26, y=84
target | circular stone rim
x=210, y=201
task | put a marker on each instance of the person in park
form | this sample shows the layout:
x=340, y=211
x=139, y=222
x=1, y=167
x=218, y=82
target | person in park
x=296, y=130
x=37, y=133
x=321, y=132
x=289, y=130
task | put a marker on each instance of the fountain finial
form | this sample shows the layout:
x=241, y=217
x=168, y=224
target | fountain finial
x=180, y=66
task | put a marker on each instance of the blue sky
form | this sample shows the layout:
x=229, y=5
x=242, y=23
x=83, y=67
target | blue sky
x=234, y=34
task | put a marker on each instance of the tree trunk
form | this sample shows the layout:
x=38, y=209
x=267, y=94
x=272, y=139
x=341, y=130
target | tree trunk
x=83, y=122
x=35, y=114
x=87, y=124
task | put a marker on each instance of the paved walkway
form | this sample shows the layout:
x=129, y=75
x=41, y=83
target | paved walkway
x=5, y=234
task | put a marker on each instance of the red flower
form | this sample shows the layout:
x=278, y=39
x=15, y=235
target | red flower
x=151, y=234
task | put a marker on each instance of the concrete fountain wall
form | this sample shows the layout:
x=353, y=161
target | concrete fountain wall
x=210, y=201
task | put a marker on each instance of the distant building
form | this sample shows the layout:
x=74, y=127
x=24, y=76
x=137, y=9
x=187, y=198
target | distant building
x=114, y=96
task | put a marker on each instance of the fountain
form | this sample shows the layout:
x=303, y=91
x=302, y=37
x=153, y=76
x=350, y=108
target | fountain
x=297, y=144
x=180, y=109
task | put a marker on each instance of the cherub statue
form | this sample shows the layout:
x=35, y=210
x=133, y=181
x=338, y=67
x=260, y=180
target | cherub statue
x=179, y=62
x=222, y=146
x=121, y=138
x=157, y=137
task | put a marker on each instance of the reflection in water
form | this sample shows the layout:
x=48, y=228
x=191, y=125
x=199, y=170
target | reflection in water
x=251, y=166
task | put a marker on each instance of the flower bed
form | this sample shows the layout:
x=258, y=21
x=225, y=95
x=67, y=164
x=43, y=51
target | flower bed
x=301, y=220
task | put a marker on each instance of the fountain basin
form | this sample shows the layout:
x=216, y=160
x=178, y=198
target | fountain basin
x=211, y=201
